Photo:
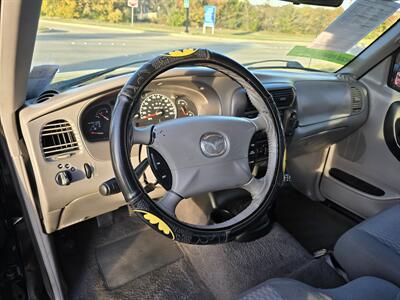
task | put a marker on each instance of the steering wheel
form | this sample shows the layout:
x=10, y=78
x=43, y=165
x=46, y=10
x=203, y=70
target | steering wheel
x=197, y=154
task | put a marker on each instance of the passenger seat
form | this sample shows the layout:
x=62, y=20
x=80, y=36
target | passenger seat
x=372, y=248
x=364, y=288
x=370, y=255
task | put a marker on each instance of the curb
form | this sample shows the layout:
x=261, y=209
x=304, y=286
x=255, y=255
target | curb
x=79, y=25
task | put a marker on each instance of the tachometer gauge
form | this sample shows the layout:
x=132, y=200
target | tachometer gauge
x=185, y=108
x=156, y=108
x=96, y=123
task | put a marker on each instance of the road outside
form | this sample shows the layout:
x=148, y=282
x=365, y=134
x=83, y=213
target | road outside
x=82, y=48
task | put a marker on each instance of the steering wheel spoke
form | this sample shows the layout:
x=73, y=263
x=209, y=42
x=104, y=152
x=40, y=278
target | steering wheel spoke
x=254, y=187
x=169, y=202
x=140, y=135
x=262, y=122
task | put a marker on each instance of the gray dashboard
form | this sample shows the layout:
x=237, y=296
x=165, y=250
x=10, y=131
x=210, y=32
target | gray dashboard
x=317, y=110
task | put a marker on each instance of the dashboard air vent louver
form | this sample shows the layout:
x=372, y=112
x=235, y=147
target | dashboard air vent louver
x=356, y=99
x=250, y=111
x=282, y=97
x=58, y=140
x=346, y=77
x=46, y=95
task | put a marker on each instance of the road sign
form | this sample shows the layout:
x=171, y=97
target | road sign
x=133, y=3
x=209, y=15
x=186, y=3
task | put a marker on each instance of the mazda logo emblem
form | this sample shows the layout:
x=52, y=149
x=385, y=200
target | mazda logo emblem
x=213, y=144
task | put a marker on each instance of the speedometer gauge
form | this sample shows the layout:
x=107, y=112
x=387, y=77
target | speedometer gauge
x=156, y=108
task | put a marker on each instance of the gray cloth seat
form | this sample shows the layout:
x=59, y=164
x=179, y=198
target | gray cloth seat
x=363, y=288
x=367, y=251
x=372, y=248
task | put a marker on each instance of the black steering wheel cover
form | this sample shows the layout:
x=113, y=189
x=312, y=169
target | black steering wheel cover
x=128, y=101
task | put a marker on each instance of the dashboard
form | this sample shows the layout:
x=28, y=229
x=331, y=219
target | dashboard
x=67, y=136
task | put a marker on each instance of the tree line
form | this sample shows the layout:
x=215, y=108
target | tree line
x=231, y=14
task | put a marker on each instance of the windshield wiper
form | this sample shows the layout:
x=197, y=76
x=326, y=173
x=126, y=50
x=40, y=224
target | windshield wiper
x=290, y=64
x=61, y=85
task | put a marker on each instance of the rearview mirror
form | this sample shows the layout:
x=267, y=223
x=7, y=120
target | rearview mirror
x=332, y=3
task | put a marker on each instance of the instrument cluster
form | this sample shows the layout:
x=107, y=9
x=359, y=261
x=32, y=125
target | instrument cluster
x=155, y=107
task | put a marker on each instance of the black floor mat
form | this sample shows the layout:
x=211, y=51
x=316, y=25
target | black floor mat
x=312, y=223
x=77, y=248
x=131, y=257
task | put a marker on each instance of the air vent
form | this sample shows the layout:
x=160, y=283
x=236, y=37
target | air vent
x=58, y=140
x=46, y=95
x=346, y=77
x=356, y=99
x=250, y=111
x=282, y=97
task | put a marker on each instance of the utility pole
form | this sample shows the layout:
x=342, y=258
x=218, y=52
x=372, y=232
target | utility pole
x=187, y=20
x=186, y=6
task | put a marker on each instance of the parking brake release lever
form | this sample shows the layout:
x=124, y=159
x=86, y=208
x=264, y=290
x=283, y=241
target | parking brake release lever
x=111, y=187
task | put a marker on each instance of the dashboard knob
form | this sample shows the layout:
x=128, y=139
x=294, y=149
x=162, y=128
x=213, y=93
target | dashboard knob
x=63, y=178
x=88, y=170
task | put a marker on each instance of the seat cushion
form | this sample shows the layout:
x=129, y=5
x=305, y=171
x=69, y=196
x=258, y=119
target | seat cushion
x=372, y=247
x=364, y=288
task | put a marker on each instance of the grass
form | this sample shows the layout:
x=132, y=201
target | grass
x=195, y=31
x=327, y=55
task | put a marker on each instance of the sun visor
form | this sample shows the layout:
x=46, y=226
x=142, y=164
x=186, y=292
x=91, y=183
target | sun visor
x=354, y=24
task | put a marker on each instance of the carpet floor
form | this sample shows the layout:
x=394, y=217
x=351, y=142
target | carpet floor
x=203, y=272
x=315, y=225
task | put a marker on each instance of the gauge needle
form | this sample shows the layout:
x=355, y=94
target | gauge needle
x=104, y=117
x=152, y=115
x=184, y=111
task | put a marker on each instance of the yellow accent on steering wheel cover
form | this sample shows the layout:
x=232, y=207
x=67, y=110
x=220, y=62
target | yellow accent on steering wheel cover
x=284, y=161
x=154, y=220
x=181, y=53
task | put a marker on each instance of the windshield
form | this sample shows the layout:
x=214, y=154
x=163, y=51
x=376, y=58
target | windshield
x=85, y=36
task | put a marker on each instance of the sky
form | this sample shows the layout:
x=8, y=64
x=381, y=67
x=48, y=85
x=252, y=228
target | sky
x=346, y=3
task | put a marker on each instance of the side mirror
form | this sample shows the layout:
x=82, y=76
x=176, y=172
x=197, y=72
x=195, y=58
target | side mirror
x=331, y=3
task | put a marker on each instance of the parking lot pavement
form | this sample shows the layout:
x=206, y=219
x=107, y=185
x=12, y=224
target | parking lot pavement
x=77, y=47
